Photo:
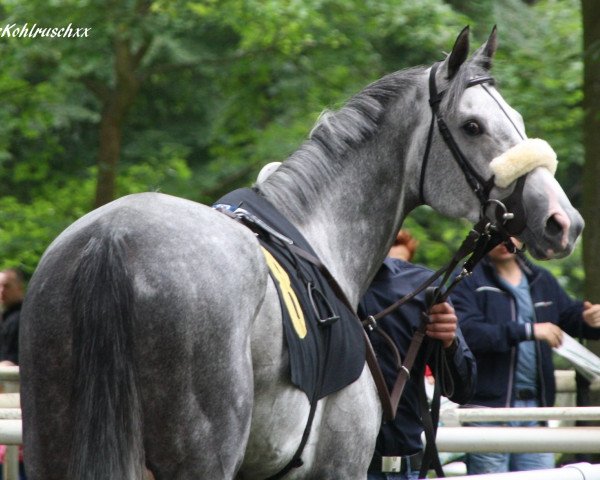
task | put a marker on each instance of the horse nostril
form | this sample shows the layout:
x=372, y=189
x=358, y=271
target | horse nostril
x=553, y=226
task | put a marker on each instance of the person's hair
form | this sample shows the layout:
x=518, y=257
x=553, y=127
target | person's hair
x=405, y=238
x=19, y=274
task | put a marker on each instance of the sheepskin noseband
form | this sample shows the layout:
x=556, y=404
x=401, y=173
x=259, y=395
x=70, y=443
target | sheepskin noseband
x=521, y=159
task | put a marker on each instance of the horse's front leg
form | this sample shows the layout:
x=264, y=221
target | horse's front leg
x=347, y=432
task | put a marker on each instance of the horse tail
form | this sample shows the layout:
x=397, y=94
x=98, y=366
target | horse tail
x=105, y=401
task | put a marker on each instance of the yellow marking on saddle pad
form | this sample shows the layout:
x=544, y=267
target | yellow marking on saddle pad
x=289, y=296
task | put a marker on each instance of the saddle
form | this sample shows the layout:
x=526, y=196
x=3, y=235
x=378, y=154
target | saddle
x=325, y=338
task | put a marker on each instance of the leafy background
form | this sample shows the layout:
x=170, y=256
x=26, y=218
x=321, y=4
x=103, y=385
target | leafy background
x=226, y=86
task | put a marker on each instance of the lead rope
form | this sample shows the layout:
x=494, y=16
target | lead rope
x=479, y=241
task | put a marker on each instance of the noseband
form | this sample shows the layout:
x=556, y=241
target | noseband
x=507, y=215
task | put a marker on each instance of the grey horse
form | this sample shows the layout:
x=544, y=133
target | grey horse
x=151, y=332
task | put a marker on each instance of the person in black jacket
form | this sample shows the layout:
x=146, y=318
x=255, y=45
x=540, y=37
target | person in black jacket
x=512, y=313
x=399, y=447
x=12, y=292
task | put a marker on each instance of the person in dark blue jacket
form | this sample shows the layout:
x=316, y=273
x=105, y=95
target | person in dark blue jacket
x=512, y=313
x=399, y=447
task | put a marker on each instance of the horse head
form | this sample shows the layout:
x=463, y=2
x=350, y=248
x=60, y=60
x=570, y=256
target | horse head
x=500, y=173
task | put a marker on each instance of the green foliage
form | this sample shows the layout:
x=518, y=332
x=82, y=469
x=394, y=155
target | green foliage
x=229, y=85
x=439, y=237
x=540, y=69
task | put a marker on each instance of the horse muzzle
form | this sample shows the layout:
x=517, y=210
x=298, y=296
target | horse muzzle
x=537, y=211
x=553, y=225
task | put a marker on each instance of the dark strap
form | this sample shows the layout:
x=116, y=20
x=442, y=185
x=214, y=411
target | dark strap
x=444, y=385
x=389, y=409
x=389, y=400
x=425, y=159
x=478, y=185
x=430, y=417
x=478, y=242
x=296, y=460
x=472, y=240
x=514, y=206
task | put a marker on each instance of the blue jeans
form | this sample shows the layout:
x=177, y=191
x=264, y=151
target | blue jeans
x=479, y=463
x=412, y=475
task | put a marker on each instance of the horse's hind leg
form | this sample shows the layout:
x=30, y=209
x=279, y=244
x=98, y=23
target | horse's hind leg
x=196, y=379
x=196, y=423
x=197, y=417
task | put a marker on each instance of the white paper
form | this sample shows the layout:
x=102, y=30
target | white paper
x=585, y=362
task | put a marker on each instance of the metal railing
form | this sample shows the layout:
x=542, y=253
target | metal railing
x=519, y=439
x=576, y=471
x=11, y=433
x=451, y=437
x=457, y=416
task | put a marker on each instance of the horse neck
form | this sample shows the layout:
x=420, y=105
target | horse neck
x=350, y=209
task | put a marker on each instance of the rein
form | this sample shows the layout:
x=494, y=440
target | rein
x=479, y=241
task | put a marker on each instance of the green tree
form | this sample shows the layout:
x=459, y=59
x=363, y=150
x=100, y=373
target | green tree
x=591, y=169
x=191, y=98
x=591, y=127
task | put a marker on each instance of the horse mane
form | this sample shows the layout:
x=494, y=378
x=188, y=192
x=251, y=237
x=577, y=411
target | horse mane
x=334, y=136
x=338, y=133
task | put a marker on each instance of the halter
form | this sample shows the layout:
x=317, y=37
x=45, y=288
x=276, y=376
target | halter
x=503, y=212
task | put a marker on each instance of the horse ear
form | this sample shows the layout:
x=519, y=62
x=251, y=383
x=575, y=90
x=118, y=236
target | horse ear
x=459, y=53
x=485, y=53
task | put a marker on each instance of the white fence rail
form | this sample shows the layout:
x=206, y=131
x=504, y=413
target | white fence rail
x=11, y=433
x=450, y=438
x=576, y=471
x=519, y=439
x=456, y=416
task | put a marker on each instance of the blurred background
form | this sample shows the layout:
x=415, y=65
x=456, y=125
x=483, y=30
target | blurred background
x=191, y=98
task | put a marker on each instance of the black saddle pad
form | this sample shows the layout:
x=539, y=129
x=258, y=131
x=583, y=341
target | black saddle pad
x=325, y=356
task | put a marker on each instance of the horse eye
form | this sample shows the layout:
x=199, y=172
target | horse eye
x=472, y=128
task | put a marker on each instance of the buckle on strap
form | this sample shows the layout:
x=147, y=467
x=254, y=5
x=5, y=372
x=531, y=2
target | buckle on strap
x=525, y=394
x=248, y=218
x=401, y=464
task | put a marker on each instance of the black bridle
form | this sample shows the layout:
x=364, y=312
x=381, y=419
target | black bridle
x=507, y=214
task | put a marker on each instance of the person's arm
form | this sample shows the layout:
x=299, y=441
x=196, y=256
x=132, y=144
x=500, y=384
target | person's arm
x=578, y=319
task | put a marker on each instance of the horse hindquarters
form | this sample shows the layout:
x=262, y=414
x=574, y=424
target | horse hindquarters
x=100, y=433
x=172, y=306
